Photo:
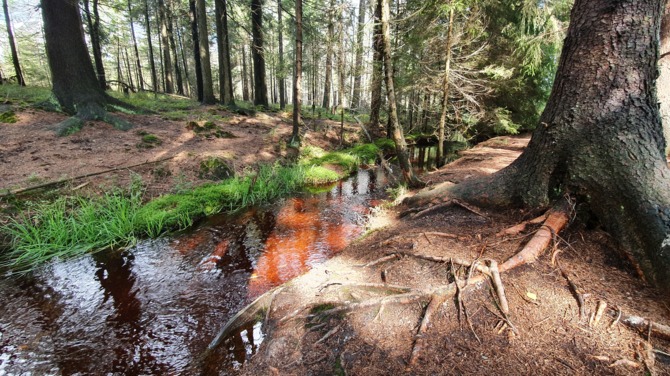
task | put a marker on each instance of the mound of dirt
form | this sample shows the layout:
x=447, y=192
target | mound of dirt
x=364, y=311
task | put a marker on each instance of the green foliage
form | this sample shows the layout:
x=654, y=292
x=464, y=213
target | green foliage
x=8, y=117
x=24, y=95
x=385, y=144
x=503, y=124
x=168, y=105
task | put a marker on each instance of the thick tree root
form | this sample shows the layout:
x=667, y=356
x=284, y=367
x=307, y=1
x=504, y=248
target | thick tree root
x=90, y=111
x=645, y=326
x=521, y=227
x=419, y=339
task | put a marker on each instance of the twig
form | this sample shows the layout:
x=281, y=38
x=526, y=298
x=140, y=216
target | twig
x=328, y=335
x=576, y=292
x=480, y=268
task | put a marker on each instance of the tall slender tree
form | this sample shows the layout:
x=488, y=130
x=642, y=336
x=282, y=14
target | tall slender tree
x=203, y=43
x=196, y=49
x=12, y=46
x=152, y=63
x=223, y=44
x=281, y=68
x=377, y=68
x=168, y=72
x=140, y=78
x=329, y=56
x=258, y=54
x=297, y=80
x=93, y=21
x=358, y=65
x=445, y=90
x=396, y=130
x=173, y=49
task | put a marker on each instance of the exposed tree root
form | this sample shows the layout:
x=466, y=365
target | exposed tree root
x=521, y=227
x=557, y=218
x=419, y=339
x=643, y=325
x=576, y=292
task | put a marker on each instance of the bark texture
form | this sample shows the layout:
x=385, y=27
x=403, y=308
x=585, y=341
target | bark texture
x=12, y=46
x=329, y=57
x=600, y=136
x=196, y=49
x=663, y=83
x=93, y=21
x=358, y=67
x=154, y=76
x=165, y=43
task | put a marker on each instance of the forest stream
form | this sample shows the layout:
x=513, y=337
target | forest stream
x=153, y=309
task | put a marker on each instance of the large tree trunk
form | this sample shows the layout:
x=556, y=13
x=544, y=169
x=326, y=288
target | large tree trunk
x=245, y=83
x=93, y=21
x=329, y=57
x=377, y=68
x=258, y=54
x=600, y=138
x=663, y=83
x=203, y=43
x=225, y=76
x=297, y=80
x=281, y=68
x=154, y=76
x=165, y=46
x=396, y=130
x=445, y=93
x=73, y=78
x=358, y=67
x=12, y=46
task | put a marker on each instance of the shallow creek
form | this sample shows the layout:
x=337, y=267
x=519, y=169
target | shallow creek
x=153, y=309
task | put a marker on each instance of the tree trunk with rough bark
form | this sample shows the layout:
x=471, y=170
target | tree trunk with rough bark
x=12, y=46
x=396, y=130
x=599, y=138
x=223, y=44
x=173, y=48
x=245, y=82
x=203, y=43
x=377, y=68
x=329, y=57
x=74, y=82
x=663, y=83
x=258, y=54
x=297, y=80
x=358, y=65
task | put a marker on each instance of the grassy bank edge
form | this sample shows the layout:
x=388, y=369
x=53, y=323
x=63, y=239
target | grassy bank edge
x=72, y=226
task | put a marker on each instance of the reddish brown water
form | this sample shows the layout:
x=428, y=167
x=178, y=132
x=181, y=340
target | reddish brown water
x=154, y=308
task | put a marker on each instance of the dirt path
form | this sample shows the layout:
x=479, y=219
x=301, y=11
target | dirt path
x=549, y=336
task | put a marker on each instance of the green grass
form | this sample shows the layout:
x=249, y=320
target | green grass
x=24, y=95
x=72, y=226
x=69, y=227
x=158, y=102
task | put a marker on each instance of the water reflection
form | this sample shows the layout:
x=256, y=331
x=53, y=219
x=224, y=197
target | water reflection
x=154, y=308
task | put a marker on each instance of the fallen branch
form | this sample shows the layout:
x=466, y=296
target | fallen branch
x=643, y=325
x=480, y=268
x=500, y=289
x=445, y=204
x=9, y=192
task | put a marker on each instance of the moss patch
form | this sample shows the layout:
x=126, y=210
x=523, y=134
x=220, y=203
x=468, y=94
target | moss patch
x=8, y=117
x=214, y=168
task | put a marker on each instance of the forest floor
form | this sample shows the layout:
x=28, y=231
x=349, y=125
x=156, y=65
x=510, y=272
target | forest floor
x=329, y=321
x=31, y=154
x=544, y=332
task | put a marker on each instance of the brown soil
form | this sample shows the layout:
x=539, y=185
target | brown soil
x=31, y=154
x=550, y=337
